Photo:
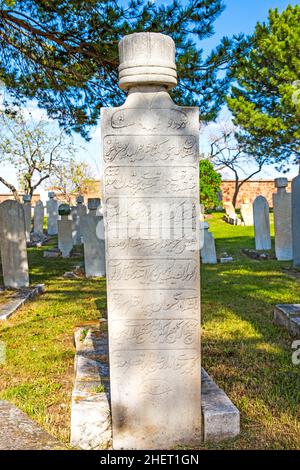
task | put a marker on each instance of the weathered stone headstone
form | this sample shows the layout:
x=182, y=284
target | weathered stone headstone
x=247, y=213
x=93, y=241
x=52, y=211
x=78, y=213
x=282, y=205
x=208, y=251
x=151, y=207
x=13, y=245
x=296, y=220
x=27, y=215
x=65, y=241
x=261, y=220
x=38, y=222
x=94, y=203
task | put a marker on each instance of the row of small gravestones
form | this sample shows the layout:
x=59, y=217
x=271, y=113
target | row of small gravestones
x=73, y=225
x=286, y=220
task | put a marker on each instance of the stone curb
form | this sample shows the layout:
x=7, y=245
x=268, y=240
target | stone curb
x=19, y=299
x=19, y=432
x=288, y=316
x=90, y=409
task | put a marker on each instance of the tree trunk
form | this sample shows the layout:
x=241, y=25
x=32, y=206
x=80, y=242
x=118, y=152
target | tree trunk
x=11, y=187
x=236, y=192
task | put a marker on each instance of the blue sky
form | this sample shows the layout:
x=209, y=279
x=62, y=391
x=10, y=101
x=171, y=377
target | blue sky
x=239, y=17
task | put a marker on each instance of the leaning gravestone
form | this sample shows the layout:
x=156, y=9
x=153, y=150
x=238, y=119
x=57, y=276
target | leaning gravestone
x=296, y=220
x=151, y=194
x=52, y=211
x=65, y=241
x=231, y=216
x=247, y=213
x=282, y=204
x=208, y=251
x=93, y=241
x=27, y=215
x=13, y=245
x=38, y=222
x=261, y=220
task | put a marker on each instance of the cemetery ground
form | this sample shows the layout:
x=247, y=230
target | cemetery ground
x=246, y=353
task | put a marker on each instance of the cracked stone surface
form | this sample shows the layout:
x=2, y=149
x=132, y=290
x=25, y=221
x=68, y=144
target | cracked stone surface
x=19, y=432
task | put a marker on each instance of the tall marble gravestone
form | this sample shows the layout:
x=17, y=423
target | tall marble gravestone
x=78, y=214
x=38, y=219
x=261, y=218
x=65, y=241
x=151, y=208
x=282, y=204
x=93, y=240
x=52, y=211
x=296, y=220
x=27, y=215
x=13, y=245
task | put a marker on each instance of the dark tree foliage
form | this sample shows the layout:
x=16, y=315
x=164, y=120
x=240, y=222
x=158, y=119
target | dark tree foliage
x=64, y=53
x=210, y=184
x=266, y=99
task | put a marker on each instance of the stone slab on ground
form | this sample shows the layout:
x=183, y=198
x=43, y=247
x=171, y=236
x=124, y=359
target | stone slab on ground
x=288, y=315
x=90, y=410
x=232, y=221
x=292, y=272
x=221, y=419
x=253, y=254
x=18, y=299
x=55, y=253
x=225, y=258
x=19, y=432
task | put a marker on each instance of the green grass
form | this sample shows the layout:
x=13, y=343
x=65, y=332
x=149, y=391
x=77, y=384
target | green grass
x=38, y=374
x=245, y=352
x=243, y=349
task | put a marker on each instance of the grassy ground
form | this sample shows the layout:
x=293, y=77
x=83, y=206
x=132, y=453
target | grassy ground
x=247, y=354
x=38, y=374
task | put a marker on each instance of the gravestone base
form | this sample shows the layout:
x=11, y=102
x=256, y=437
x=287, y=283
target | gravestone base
x=232, y=221
x=90, y=409
x=288, y=315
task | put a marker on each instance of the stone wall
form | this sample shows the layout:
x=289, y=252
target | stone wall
x=250, y=190
x=4, y=197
